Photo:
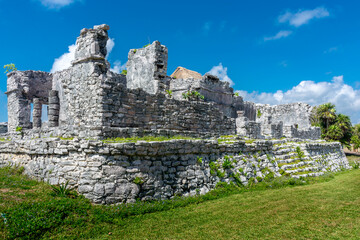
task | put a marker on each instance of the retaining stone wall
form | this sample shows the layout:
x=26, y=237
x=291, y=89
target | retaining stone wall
x=105, y=173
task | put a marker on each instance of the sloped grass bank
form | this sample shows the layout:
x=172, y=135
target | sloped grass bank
x=324, y=208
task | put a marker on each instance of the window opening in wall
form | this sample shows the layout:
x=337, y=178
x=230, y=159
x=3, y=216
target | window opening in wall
x=44, y=111
x=31, y=112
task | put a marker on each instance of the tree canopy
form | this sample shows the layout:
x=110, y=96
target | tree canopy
x=334, y=126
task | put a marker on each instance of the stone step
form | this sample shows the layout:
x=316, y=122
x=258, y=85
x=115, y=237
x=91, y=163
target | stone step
x=313, y=174
x=286, y=156
x=297, y=165
x=307, y=169
x=284, y=151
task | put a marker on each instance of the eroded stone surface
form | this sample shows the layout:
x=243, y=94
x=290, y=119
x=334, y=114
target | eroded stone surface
x=106, y=173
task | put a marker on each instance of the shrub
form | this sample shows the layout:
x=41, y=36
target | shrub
x=356, y=165
x=220, y=174
x=62, y=190
x=169, y=93
x=146, y=45
x=193, y=95
x=259, y=114
x=213, y=168
x=269, y=177
x=138, y=181
x=10, y=67
x=300, y=154
x=227, y=164
x=199, y=160
x=124, y=72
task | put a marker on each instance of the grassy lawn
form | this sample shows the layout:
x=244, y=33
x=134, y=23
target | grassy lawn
x=322, y=210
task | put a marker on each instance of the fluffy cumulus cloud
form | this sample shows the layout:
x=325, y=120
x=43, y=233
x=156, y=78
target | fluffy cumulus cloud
x=118, y=67
x=302, y=17
x=56, y=4
x=110, y=44
x=345, y=97
x=64, y=61
x=280, y=34
x=221, y=72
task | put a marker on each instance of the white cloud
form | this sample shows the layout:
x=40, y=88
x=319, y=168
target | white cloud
x=281, y=34
x=303, y=16
x=64, y=61
x=345, y=97
x=221, y=72
x=118, y=67
x=56, y=4
x=109, y=46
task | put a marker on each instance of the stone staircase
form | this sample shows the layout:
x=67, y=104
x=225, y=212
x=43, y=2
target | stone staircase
x=290, y=164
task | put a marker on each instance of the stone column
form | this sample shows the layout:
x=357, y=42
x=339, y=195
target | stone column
x=54, y=107
x=37, y=113
x=18, y=110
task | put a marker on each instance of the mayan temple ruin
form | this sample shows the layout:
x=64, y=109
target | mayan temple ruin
x=87, y=104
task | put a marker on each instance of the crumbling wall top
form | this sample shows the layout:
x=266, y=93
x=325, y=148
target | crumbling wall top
x=91, y=44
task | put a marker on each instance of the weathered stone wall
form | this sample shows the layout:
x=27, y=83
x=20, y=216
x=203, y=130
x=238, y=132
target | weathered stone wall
x=249, y=109
x=127, y=108
x=289, y=114
x=294, y=132
x=22, y=88
x=147, y=67
x=106, y=173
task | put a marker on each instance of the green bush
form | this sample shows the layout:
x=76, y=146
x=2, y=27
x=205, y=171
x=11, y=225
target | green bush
x=227, y=164
x=169, y=93
x=62, y=190
x=124, y=72
x=138, y=181
x=10, y=67
x=300, y=154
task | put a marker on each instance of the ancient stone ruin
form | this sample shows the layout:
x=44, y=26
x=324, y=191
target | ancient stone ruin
x=87, y=103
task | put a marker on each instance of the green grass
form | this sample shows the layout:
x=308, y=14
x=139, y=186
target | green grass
x=323, y=208
x=147, y=139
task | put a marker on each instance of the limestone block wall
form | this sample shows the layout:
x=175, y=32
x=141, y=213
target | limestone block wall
x=22, y=88
x=289, y=114
x=135, y=108
x=211, y=88
x=309, y=133
x=147, y=68
x=123, y=172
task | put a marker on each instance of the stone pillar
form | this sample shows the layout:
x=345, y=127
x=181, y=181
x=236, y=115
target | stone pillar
x=54, y=108
x=277, y=130
x=37, y=113
x=19, y=110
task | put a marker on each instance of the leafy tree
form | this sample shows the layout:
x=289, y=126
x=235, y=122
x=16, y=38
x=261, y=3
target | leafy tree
x=333, y=126
x=326, y=114
x=355, y=138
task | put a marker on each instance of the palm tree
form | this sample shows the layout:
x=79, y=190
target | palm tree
x=326, y=114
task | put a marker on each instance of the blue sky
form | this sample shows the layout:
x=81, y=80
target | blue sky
x=274, y=52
